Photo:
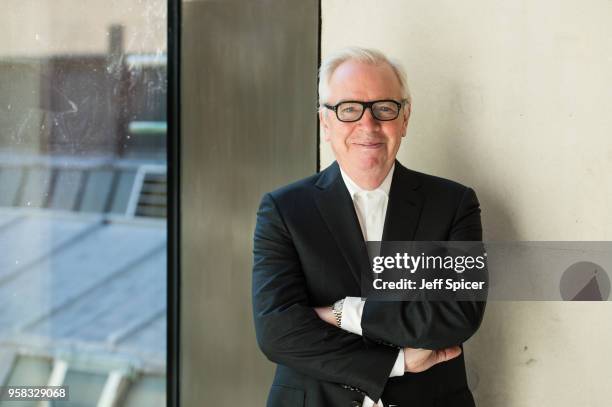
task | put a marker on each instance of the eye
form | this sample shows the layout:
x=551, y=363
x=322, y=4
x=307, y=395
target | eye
x=386, y=109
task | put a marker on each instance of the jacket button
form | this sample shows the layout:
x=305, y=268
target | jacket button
x=355, y=403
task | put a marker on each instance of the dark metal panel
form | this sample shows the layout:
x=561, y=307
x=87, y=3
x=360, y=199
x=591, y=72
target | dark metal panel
x=173, y=224
x=248, y=97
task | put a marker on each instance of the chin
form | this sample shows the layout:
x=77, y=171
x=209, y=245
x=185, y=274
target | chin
x=370, y=165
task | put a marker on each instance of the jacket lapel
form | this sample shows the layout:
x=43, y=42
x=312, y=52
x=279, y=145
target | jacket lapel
x=404, y=207
x=337, y=210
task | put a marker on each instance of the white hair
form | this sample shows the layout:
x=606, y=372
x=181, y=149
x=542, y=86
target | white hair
x=365, y=55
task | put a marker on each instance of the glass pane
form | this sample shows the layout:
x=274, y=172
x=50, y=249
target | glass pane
x=27, y=371
x=84, y=389
x=146, y=392
x=83, y=190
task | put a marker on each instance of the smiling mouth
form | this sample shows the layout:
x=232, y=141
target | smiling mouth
x=369, y=145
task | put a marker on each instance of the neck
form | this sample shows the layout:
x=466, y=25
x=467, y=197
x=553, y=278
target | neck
x=367, y=179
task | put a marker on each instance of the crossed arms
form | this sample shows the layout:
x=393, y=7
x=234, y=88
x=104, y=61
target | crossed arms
x=290, y=332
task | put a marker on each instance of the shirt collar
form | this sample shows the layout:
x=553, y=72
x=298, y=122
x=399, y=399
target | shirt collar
x=353, y=188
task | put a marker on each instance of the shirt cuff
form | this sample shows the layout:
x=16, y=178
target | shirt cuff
x=352, y=310
x=398, y=367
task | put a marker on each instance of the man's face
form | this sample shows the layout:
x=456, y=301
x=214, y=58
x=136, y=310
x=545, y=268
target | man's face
x=367, y=145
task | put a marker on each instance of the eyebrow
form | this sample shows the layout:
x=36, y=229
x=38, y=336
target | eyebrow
x=364, y=101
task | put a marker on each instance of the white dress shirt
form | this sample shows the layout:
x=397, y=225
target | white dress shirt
x=371, y=208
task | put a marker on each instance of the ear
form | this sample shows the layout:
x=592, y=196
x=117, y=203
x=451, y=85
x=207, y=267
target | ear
x=405, y=118
x=324, y=124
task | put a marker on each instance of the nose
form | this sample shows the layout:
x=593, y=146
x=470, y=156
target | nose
x=368, y=120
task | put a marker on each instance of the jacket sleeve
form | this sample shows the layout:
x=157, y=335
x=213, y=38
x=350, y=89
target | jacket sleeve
x=430, y=324
x=289, y=331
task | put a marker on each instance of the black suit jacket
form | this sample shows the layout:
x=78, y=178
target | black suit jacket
x=309, y=251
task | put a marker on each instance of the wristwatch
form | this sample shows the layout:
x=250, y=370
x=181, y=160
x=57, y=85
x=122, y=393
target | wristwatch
x=337, y=311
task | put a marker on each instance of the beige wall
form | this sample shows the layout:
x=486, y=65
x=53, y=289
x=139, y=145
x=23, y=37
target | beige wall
x=47, y=27
x=513, y=99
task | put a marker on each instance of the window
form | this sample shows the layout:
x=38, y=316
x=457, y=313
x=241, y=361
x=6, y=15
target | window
x=83, y=192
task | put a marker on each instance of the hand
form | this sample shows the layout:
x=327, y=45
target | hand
x=326, y=314
x=419, y=360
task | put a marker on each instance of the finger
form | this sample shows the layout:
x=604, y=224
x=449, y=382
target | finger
x=444, y=355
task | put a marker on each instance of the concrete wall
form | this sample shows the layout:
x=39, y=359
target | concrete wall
x=513, y=99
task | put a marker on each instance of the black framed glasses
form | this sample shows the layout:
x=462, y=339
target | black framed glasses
x=352, y=110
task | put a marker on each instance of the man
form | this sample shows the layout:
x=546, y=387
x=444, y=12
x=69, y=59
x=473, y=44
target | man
x=333, y=348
